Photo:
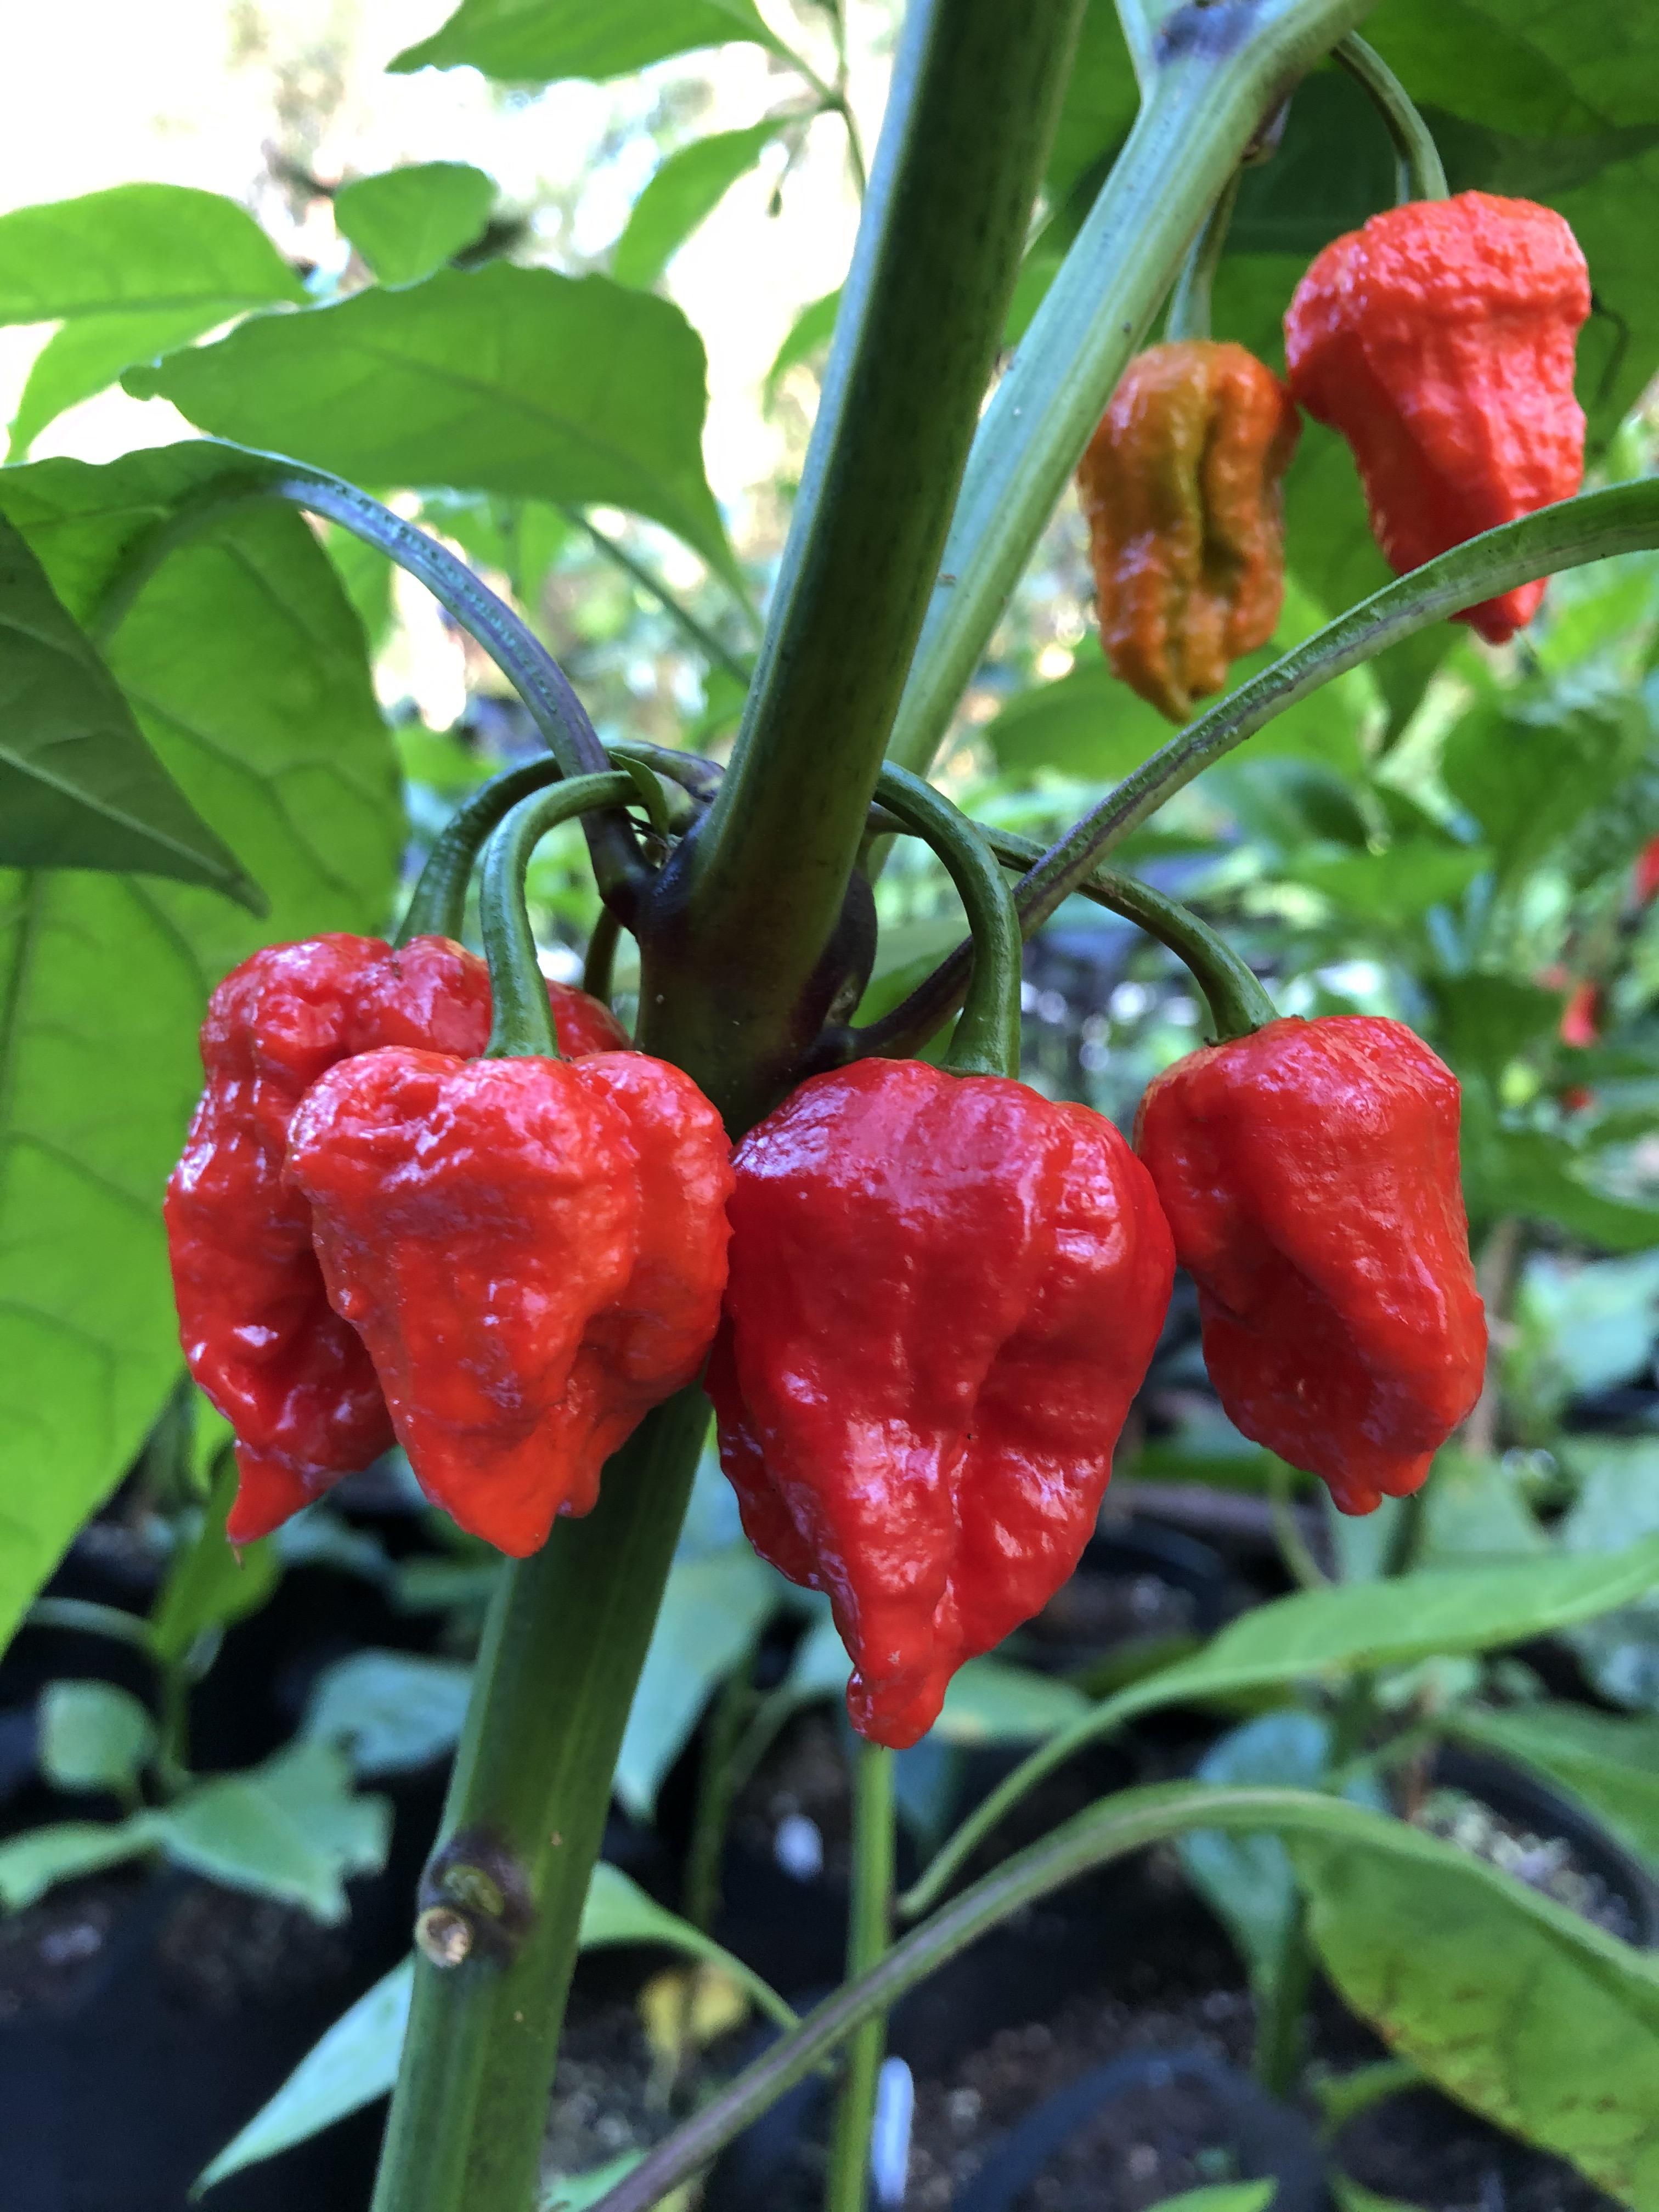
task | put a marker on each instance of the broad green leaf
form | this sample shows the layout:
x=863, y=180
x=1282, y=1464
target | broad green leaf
x=1392, y=1624
x=542, y=40
x=1610, y=1764
x=79, y=788
x=388, y=1710
x=713, y=1610
x=210, y=1582
x=683, y=193
x=502, y=380
x=988, y=1702
x=290, y=1829
x=1088, y=724
x=1224, y=2197
x=1354, y=2197
x=1393, y=889
x=406, y=223
x=1598, y=1319
x=808, y=334
x=1617, y=1506
x=354, y=2062
x=31, y=1863
x=1528, y=770
x=1473, y=1511
x=247, y=669
x=93, y=1735
x=1539, y=1174
x=138, y=268
x=1508, y=2001
x=1481, y=1022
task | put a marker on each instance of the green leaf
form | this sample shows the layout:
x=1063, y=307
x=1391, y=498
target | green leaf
x=1088, y=724
x=212, y=1581
x=290, y=1829
x=575, y=2192
x=1610, y=1765
x=1354, y=2197
x=93, y=1735
x=1617, y=1506
x=1393, y=889
x=247, y=669
x=539, y=42
x=988, y=1702
x=1512, y=2004
x=1247, y=1879
x=1473, y=1511
x=1225, y=2196
x=1483, y=1022
x=138, y=268
x=501, y=380
x=1528, y=772
x=811, y=331
x=406, y=223
x=712, y=1610
x=354, y=2062
x=79, y=788
x=389, y=1711
x=684, y=193
x=32, y=1862
x=617, y=1911
x=1539, y=1174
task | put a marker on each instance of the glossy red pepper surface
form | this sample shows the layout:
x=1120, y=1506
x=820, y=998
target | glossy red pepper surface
x=944, y=1292
x=1310, y=1173
x=292, y=1378
x=1439, y=341
x=533, y=1251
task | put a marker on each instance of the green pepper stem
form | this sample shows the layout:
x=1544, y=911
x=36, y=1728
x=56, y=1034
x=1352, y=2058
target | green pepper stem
x=987, y=1040
x=601, y=955
x=1189, y=302
x=1238, y=1004
x=523, y=1021
x=437, y=905
x=1421, y=174
x=868, y=1935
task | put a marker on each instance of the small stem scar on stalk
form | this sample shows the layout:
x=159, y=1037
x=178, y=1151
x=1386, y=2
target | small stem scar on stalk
x=869, y=1933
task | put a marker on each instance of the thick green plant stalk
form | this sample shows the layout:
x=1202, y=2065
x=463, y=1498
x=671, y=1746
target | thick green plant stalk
x=522, y=1827
x=1212, y=75
x=745, y=949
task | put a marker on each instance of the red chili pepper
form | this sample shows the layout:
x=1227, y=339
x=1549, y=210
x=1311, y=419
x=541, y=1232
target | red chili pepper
x=1439, y=341
x=1580, y=1017
x=291, y=1377
x=1647, y=872
x=532, y=1251
x=1310, y=1173
x=944, y=1292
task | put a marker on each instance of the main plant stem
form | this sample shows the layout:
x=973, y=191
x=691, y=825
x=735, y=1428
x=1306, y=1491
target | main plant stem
x=565, y=1640
x=869, y=1932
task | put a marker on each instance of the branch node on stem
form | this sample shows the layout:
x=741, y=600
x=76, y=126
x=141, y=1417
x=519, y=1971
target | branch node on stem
x=474, y=1896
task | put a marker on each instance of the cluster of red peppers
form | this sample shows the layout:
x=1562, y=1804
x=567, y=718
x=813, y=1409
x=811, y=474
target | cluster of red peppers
x=1439, y=340
x=926, y=1296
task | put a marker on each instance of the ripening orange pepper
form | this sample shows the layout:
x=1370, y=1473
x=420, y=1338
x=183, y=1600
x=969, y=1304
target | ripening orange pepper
x=1181, y=489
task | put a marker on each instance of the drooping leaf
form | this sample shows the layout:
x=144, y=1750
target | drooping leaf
x=93, y=1735
x=132, y=273
x=683, y=193
x=406, y=223
x=352, y=2065
x=247, y=669
x=291, y=1829
x=1506, y=2000
x=501, y=380
x=389, y=1711
x=541, y=41
x=356, y=2060
x=713, y=1610
x=79, y=788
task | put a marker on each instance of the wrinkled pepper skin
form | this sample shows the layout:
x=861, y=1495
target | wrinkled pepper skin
x=1310, y=1173
x=1181, y=490
x=944, y=1292
x=1439, y=341
x=532, y=1251
x=259, y=1336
